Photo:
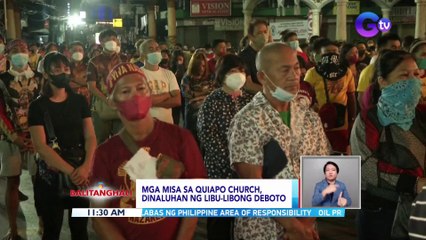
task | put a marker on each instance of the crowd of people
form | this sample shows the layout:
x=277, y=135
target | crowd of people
x=75, y=115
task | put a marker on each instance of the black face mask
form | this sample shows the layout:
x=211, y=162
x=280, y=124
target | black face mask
x=164, y=63
x=60, y=81
x=361, y=53
x=330, y=67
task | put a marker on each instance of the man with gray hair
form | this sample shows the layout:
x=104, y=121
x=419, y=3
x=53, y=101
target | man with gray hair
x=274, y=128
x=165, y=89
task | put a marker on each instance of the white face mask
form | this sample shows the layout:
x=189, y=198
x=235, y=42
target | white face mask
x=279, y=93
x=154, y=58
x=2, y=47
x=77, y=56
x=118, y=49
x=111, y=46
x=294, y=44
x=235, y=81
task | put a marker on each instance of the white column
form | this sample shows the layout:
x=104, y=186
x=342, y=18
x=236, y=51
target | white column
x=386, y=12
x=152, y=24
x=171, y=22
x=341, y=20
x=247, y=20
x=296, y=7
x=420, y=19
x=10, y=19
x=316, y=21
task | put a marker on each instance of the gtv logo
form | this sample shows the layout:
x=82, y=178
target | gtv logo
x=383, y=25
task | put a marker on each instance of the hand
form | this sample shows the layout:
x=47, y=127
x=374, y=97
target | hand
x=330, y=189
x=77, y=178
x=84, y=171
x=29, y=145
x=20, y=141
x=341, y=202
x=308, y=222
x=301, y=232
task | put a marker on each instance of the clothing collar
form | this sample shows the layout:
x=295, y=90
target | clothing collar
x=296, y=111
x=28, y=73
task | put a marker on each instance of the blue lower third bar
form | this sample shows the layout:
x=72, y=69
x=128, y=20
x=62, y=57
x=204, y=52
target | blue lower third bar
x=243, y=212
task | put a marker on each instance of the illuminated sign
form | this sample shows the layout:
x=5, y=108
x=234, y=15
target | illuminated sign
x=117, y=22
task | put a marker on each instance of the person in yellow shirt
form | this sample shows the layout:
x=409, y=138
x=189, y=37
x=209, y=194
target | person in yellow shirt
x=34, y=56
x=418, y=49
x=388, y=41
x=337, y=103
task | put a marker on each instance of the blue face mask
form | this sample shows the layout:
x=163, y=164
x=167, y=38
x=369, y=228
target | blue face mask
x=19, y=60
x=280, y=94
x=397, y=104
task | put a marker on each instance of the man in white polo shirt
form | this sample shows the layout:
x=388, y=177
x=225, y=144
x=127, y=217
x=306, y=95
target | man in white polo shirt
x=165, y=91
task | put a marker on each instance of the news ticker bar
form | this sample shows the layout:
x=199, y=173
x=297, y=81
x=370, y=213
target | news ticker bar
x=208, y=212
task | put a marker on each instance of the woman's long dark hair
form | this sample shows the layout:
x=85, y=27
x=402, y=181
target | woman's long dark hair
x=53, y=58
x=195, y=64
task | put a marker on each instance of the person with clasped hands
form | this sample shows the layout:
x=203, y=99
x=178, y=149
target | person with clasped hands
x=131, y=96
x=330, y=192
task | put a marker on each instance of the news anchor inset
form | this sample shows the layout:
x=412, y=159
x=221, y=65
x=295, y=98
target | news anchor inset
x=330, y=192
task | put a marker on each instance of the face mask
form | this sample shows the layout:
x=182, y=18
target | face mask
x=421, y=63
x=154, y=58
x=294, y=45
x=279, y=93
x=398, y=102
x=111, y=46
x=164, y=63
x=19, y=60
x=60, y=81
x=118, y=49
x=261, y=40
x=135, y=108
x=235, y=81
x=2, y=47
x=77, y=56
x=361, y=53
x=330, y=67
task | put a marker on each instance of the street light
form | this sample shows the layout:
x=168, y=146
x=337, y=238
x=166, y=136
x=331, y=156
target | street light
x=75, y=20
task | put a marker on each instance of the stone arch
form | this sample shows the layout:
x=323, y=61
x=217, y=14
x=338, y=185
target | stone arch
x=250, y=4
x=317, y=4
